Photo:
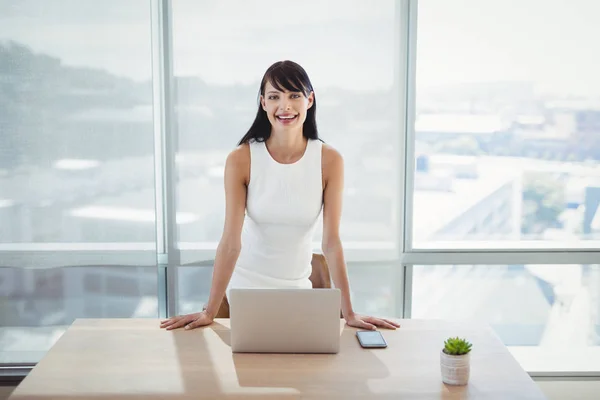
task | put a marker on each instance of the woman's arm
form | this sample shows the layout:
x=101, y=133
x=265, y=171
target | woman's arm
x=237, y=177
x=333, y=183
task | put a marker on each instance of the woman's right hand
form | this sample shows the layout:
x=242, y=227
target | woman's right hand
x=190, y=321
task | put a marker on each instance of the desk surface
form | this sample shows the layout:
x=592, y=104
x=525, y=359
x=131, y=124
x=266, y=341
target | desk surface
x=134, y=359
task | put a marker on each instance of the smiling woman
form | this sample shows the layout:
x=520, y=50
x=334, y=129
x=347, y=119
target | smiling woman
x=221, y=50
x=278, y=181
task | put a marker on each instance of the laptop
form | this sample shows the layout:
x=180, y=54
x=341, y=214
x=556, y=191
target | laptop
x=285, y=320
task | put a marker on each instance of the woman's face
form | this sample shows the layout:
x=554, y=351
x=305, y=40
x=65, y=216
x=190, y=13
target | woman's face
x=285, y=110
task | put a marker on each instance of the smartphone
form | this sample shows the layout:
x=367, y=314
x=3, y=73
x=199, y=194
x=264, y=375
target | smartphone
x=371, y=339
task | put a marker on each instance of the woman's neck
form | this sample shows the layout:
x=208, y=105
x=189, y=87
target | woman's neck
x=286, y=146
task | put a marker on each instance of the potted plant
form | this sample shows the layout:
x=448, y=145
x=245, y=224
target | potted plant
x=455, y=361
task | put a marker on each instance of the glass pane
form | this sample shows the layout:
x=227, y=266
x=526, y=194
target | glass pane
x=376, y=289
x=193, y=288
x=507, y=124
x=546, y=314
x=38, y=305
x=349, y=49
x=76, y=124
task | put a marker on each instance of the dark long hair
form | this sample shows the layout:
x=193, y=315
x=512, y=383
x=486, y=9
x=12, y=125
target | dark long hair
x=283, y=75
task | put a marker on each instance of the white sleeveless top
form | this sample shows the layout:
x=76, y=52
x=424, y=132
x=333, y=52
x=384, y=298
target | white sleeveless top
x=283, y=204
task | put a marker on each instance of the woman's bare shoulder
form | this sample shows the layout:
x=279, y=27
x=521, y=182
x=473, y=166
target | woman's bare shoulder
x=330, y=157
x=238, y=161
x=240, y=154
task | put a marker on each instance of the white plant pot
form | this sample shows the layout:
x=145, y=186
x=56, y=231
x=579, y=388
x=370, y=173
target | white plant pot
x=455, y=369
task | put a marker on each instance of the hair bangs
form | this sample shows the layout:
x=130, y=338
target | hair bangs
x=288, y=79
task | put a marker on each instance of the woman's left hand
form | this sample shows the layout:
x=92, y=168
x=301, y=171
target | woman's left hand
x=370, y=323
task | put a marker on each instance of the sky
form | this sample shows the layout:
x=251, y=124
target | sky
x=353, y=44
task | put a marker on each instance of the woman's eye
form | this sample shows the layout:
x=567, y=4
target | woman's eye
x=272, y=97
x=295, y=96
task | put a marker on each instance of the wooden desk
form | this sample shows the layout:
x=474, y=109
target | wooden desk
x=135, y=359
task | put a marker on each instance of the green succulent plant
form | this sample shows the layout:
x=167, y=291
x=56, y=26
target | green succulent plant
x=456, y=346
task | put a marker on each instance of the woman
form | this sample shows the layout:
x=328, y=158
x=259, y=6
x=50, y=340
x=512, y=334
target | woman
x=277, y=182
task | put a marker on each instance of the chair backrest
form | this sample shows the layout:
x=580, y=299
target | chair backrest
x=320, y=278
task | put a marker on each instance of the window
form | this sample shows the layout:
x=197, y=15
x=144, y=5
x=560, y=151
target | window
x=375, y=288
x=38, y=305
x=546, y=314
x=77, y=142
x=76, y=169
x=221, y=51
x=504, y=138
x=507, y=125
